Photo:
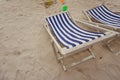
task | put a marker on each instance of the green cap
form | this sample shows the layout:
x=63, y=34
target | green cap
x=64, y=8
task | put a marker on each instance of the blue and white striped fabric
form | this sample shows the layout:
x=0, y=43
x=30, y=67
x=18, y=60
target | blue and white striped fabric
x=69, y=34
x=104, y=15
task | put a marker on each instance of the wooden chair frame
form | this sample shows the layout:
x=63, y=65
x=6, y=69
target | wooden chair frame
x=61, y=52
x=90, y=20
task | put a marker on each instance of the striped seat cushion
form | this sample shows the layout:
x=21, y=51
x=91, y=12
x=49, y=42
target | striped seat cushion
x=69, y=34
x=104, y=15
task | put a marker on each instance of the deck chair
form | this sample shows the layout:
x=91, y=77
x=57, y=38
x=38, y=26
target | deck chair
x=103, y=17
x=69, y=39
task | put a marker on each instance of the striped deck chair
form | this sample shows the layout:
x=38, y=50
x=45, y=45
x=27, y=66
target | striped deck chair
x=105, y=18
x=69, y=39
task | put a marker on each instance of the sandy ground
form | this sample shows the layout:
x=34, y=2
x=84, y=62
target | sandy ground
x=25, y=49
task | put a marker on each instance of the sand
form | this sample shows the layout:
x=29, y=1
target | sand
x=25, y=49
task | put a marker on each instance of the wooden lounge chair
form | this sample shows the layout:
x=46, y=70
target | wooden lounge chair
x=101, y=15
x=69, y=39
x=105, y=18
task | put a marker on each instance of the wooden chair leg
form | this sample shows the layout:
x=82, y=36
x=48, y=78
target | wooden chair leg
x=91, y=56
x=63, y=65
x=110, y=48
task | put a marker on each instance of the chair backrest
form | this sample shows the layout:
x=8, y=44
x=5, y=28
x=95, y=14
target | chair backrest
x=68, y=33
x=104, y=15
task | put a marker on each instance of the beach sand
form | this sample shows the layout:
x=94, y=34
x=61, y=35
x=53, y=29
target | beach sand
x=25, y=49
